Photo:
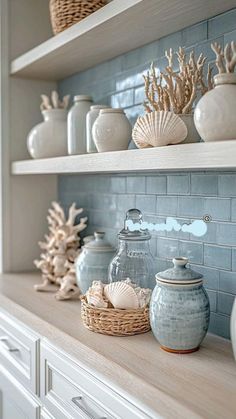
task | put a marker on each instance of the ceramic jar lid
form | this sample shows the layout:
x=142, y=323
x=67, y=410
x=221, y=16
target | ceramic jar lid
x=99, y=244
x=79, y=98
x=179, y=274
x=130, y=232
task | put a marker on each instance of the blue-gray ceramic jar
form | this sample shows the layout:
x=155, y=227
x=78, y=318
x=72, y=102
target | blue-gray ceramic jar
x=92, y=263
x=179, y=309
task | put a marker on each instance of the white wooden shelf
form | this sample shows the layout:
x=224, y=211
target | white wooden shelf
x=197, y=156
x=118, y=27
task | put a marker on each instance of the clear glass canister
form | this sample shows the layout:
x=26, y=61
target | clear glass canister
x=133, y=258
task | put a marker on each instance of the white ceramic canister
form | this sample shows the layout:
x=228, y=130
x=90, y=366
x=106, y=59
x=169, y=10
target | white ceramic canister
x=90, y=119
x=49, y=138
x=111, y=130
x=77, y=124
x=214, y=114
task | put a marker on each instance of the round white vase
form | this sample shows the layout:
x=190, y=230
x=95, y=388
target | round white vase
x=111, y=130
x=192, y=136
x=214, y=114
x=77, y=124
x=233, y=328
x=91, y=117
x=49, y=138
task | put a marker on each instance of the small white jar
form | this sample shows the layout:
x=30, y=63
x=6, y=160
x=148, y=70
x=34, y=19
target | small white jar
x=90, y=119
x=77, y=124
x=49, y=138
x=111, y=130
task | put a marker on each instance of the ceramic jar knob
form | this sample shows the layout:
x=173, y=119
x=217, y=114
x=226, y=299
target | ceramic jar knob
x=214, y=114
x=111, y=130
x=49, y=138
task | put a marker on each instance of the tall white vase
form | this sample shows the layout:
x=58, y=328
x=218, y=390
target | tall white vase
x=214, y=114
x=49, y=138
x=233, y=328
x=77, y=124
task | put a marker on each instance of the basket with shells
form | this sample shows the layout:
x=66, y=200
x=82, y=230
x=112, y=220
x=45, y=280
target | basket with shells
x=117, y=309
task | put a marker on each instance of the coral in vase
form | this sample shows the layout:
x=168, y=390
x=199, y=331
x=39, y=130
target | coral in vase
x=170, y=97
x=214, y=115
x=59, y=251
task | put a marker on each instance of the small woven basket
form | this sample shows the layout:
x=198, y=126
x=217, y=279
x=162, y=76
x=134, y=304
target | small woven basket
x=65, y=13
x=115, y=322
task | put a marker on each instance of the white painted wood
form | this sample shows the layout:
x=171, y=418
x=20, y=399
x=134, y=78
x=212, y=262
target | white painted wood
x=24, y=203
x=19, y=352
x=104, y=34
x=197, y=156
x=62, y=380
x=46, y=415
x=174, y=386
x=15, y=401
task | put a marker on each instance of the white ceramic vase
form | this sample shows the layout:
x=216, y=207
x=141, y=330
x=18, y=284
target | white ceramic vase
x=233, y=328
x=49, y=138
x=77, y=124
x=192, y=136
x=214, y=114
x=91, y=117
x=111, y=130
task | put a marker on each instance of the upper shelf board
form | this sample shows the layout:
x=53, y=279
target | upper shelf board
x=118, y=27
x=197, y=156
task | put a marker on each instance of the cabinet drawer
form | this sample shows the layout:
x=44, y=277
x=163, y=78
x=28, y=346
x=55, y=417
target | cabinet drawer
x=19, y=351
x=69, y=391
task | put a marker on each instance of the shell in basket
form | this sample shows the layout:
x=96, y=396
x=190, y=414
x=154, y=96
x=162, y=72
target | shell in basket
x=159, y=128
x=121, y=295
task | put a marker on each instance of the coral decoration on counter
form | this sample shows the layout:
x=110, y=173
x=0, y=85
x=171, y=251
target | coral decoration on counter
x=60, y=249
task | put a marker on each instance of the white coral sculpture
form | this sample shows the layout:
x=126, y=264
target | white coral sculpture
x=176, y=91
x=225, y=59
x=55, y=103
x=60, y=249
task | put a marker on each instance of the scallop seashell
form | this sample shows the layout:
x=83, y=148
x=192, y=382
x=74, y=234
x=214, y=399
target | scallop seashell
x=96, y=299
x=121, y=295
x=159, y=128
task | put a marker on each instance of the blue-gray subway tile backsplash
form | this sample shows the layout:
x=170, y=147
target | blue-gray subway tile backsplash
x=184, y=196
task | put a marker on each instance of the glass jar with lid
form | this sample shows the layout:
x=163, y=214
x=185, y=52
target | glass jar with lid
x=133, y=259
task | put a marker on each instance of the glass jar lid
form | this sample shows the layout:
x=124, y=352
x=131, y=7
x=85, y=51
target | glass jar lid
x=99, y=244
x=133, y=227
x=179, y=274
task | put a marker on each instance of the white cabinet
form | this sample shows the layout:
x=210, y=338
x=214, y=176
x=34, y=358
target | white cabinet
x=15, y=401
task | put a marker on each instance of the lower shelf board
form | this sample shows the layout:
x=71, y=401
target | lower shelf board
x=196, y=156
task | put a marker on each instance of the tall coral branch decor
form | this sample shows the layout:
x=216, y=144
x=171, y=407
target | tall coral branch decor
x=214, y=114
x=176, y=91
x=60, y=249
x=170, y=96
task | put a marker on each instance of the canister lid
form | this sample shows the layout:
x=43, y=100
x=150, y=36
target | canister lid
x=111, y=110
x=98, y=107
x=133, y=227
x=179, y=274
x=99, y=244
x=79, y=98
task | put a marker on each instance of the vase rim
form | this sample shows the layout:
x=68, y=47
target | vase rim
x=111, y=110
x=225, y=78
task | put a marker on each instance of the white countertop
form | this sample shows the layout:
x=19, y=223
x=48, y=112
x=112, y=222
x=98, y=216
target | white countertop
x=198, y=385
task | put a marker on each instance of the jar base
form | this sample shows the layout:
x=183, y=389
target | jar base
x=179, y=351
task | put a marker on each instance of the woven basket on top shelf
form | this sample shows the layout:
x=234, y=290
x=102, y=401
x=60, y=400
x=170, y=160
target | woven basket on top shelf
x=114, y=322
x=65, y=13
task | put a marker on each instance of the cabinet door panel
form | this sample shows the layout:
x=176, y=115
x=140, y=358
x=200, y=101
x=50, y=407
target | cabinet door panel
x=15, y=401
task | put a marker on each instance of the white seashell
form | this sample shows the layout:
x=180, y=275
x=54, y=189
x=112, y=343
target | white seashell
x=129, y=282
x=156, y=129
x=144, y=295
x=98, y=285
x=121, y=295
x=95, y=298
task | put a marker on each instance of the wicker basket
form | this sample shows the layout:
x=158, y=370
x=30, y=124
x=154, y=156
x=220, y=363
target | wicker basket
x=115, y=322
x=65, y=13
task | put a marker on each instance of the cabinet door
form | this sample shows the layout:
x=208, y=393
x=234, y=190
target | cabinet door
x=15, y=401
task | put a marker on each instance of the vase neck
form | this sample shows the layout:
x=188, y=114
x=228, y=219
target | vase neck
x=59, y=114
x=225, y=78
